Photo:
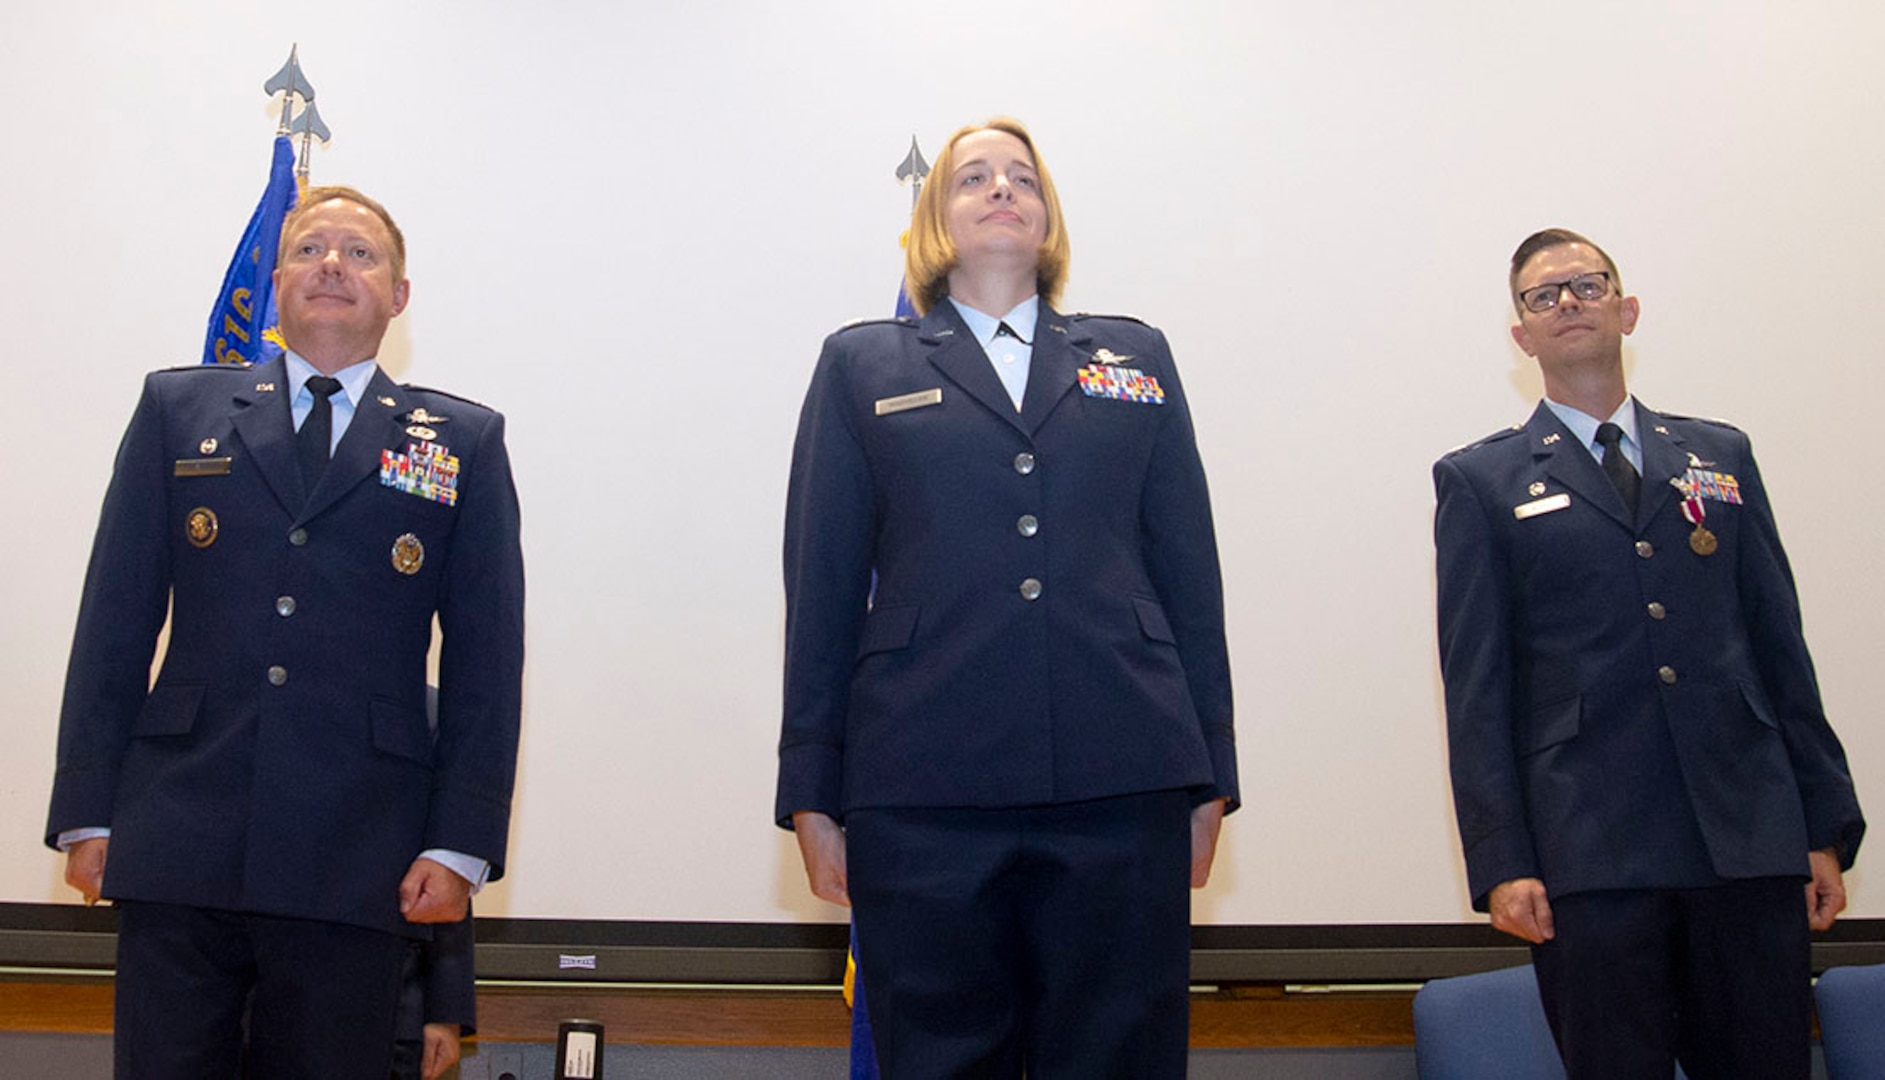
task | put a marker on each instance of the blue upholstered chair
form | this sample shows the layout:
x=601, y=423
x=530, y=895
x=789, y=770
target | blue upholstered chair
x=1490, y=1025
x=1851, y=1001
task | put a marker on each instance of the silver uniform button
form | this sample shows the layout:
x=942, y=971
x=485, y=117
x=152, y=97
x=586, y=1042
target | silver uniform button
x=298, y=537
x=1667, y=674
x=1028, y=525
x=277, y=676
x=1656, y=610
x=1031, y=589
x=1645, y=548
x=284, y=606
x=1024, y=463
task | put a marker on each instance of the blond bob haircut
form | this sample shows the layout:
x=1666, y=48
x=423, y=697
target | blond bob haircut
x=931, y=255
x=315, y=196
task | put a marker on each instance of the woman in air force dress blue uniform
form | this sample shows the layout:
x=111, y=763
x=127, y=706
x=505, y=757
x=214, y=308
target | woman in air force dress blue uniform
x=1007, y=727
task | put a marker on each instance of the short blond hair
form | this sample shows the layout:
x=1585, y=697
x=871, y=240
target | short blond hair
x=931, y=254
x=315, y=196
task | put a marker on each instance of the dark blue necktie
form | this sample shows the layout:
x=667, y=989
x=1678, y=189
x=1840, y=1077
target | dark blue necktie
x=313, y=441
x=1617, y=465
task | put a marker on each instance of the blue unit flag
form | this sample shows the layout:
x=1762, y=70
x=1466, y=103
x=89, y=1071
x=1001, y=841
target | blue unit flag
x=242, y=325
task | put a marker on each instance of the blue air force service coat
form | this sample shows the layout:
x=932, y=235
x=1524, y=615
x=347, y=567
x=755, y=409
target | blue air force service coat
x=282, y=763
x=1626, y=709
x=1047, y=623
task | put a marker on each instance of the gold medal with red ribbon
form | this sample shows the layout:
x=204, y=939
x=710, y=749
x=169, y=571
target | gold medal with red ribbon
x=1701, y=541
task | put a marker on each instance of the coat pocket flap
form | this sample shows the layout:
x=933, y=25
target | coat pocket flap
x=1152, y=620
x=887, y=627
x=169, y=709
x=1757, y=704
x=1553, y=724
x=401, y=731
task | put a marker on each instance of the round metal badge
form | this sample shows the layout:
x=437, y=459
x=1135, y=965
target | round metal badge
x=201, y=526
x=408, y=554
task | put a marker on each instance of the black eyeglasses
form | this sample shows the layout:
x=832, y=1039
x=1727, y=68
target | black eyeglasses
x=1586, y=287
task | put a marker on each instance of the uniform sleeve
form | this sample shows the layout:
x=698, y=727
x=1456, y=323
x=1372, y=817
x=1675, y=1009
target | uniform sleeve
x=1771, y=608
x=830, y=524
x=125, y=601
x=1181, y=558
x=481, y=661
x=1476, y=665
x=448, y=966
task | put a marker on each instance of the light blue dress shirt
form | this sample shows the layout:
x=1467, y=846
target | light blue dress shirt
x=1584, y=426
x=1010, y=355
x=354, y=380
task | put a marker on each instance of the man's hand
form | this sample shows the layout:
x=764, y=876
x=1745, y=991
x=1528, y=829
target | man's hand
x=85, y=868
x=821, y=844
x=1825, y=894
x=1519, y=908
x=431, y=893
x=1206, y=819
x=441, y=1050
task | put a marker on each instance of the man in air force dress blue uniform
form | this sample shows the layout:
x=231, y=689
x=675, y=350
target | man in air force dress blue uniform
x=1644, y=777
x=278, y=816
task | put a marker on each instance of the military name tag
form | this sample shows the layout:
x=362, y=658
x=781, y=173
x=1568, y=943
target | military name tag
x=1541, y=506
x=211, y=466
x=906, y=402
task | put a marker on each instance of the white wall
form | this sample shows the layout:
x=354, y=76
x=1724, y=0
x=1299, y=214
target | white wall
x=631, y=225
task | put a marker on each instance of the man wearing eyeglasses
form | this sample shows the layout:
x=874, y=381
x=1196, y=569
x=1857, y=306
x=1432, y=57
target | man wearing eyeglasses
x=1647, y=787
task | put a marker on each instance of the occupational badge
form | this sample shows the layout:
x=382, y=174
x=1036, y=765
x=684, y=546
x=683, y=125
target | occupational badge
x=1108, y=356
x=206, y=447
x=420, y=431
x=201, y=526
x=408, y=554
x=1537, y=488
